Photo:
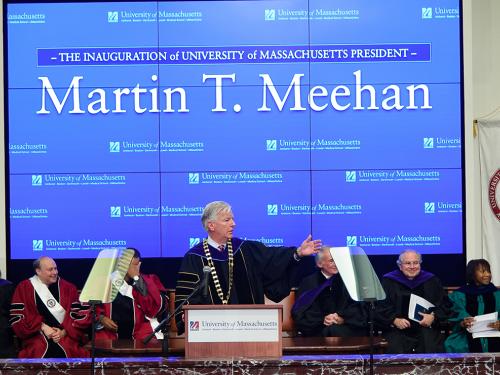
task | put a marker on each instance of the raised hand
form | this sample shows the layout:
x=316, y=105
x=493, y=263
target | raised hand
x=309, y=247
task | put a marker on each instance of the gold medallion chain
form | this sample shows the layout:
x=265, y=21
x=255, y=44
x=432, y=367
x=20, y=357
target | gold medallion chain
x=215, y=278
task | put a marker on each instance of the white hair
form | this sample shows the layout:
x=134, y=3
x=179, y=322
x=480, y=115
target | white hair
x=211, y=211
x=321, y=253
x=409, y=251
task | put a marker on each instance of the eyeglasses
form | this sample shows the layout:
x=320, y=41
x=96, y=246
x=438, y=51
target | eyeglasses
x=415, y=263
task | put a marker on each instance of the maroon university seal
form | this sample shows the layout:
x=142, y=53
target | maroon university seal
x=492, y=194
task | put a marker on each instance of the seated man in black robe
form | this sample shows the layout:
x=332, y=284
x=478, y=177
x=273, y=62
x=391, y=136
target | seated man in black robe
x=404, y=334
x=323, y=306
x=6, y=335
x=241, y=271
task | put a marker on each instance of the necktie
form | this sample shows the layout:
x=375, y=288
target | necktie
x=221, y=247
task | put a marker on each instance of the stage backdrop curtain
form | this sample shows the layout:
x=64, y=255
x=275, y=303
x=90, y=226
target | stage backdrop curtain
x=489, y=158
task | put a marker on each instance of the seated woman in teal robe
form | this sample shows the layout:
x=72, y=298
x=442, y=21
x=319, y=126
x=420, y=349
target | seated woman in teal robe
x=479, y=296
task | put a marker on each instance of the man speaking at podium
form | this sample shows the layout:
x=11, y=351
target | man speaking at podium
x=238, y=271
x=45, y=315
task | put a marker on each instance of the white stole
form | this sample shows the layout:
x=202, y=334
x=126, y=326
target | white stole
x=126, y=290
x=48, y=299
x=154, y=323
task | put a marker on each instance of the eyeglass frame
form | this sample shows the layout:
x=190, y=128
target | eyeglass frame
x=413, y=263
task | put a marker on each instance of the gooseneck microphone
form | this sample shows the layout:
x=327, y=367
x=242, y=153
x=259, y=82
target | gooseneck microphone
x=206, y=275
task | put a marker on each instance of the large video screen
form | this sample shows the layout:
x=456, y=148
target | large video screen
x=338, y=118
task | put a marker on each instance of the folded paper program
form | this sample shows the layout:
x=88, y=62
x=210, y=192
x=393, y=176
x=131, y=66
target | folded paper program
x=481, y=326
x=418, y=305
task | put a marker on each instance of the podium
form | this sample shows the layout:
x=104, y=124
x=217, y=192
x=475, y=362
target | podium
x=228, y=331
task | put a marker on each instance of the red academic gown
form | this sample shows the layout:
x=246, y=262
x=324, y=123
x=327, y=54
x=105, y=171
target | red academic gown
x=149, y=305
x=26, y=321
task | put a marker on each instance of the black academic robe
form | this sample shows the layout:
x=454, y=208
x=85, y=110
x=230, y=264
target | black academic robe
x=6, y=335
x=258, y=270
x=416, y=339
x=318, y=297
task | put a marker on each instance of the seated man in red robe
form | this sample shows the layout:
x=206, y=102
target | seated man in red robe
x=45, y=314
x=133, y=314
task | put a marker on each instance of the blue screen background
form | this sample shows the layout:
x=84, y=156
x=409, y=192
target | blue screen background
x=338, y=147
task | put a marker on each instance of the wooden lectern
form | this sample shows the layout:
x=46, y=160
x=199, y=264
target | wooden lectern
x=228, y=331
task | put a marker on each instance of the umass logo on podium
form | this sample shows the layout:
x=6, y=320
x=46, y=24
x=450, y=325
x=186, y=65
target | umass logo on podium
x=194, y=325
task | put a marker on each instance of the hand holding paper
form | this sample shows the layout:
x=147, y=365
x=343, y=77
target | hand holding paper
x=427, y=319
x=482, y=326
x=495, y=325
x=418, y=310
x=467, y=322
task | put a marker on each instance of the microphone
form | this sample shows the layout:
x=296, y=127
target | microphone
x=206, y=275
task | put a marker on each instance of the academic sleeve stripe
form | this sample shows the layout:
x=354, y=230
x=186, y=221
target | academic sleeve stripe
x=76, y=316
x=185, y=287
x=16, y=306
x=188, y=277
x=14, y=319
